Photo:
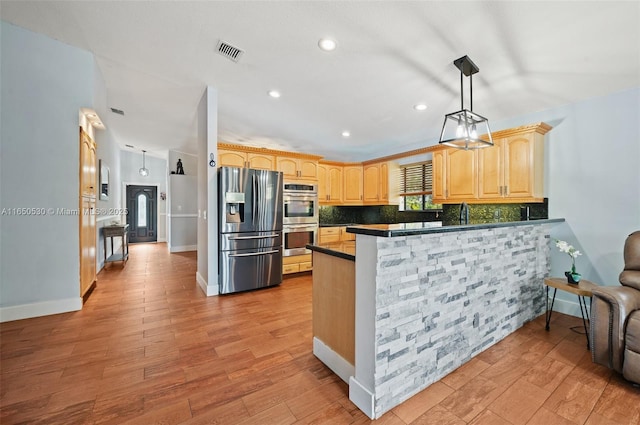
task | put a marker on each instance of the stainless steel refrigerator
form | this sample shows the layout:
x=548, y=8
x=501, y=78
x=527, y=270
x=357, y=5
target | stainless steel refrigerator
x=250, y=226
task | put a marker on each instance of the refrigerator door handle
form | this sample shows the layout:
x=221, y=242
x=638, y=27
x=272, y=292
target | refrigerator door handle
x=254, y=197
x=253, y=254
x=239, y=238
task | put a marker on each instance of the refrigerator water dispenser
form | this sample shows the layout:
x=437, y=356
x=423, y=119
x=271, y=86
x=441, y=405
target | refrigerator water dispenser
x=235, y=206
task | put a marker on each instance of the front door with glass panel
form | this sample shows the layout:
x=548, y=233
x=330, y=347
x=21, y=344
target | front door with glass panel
x=142, y=213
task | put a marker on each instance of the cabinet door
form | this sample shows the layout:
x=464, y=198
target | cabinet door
x=231, y=158
x=87, y=243
x=88, y=175
x=439, y=176
x=384, y=181
x=308, y=169
x=334, y=184
x=261, y=162
x=371, y=183
x=462, y=174
x=323, y=183
x=289, y=167
x=491, y=171
x=518, y=167
x=352, y=185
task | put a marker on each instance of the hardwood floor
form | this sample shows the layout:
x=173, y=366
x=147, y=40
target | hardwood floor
x=150, y=348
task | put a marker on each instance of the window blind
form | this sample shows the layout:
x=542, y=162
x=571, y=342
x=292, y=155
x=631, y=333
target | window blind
x=416, y=179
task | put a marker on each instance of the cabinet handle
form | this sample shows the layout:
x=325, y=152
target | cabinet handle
x=506, y=190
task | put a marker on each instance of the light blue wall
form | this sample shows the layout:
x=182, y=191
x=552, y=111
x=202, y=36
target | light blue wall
x=44, y=83
x=593, y=181
x=109, y=152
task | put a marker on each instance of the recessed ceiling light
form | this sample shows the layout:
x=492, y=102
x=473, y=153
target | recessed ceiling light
x=346, y=134
x=274, y=93
x=327, y=44
x=420, y=107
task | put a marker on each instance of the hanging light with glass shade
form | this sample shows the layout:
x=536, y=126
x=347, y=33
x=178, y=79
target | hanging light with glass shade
x=465, y=129
x=144, y=171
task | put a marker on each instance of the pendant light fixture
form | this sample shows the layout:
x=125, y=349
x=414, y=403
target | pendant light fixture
x=462, y=129
x=144, y=171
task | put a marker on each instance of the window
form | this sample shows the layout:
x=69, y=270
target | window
x=416, y=187
x=142, y=210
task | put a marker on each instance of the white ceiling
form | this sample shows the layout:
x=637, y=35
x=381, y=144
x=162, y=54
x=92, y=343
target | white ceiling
x=157, y=58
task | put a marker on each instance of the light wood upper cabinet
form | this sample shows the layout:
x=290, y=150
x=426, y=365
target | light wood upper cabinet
x=233, y=158
x=330, y=183
x=439, y=176
x=297, y=168
x=88, y=169
x=513, y=168
x=462, y=174
x=379, y=186
x=371, y=188
x=510, y=171
x=352, y=194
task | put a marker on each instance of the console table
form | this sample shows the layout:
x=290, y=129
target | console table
x=112, y=231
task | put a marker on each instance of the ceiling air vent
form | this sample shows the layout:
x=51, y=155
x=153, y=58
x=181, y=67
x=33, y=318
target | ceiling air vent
x=228, y=51
x=117, y=111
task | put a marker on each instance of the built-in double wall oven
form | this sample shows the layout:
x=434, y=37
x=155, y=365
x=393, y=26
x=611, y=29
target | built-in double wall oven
x=300, y=217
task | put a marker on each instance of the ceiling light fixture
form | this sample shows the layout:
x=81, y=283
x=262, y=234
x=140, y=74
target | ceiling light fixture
x=420, y=107
x=274, y=93
x=346, y=134
x=327, y=44
x=144, y=172
x=460, y=129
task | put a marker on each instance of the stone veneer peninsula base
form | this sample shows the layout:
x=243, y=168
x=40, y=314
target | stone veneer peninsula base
x=430, y=299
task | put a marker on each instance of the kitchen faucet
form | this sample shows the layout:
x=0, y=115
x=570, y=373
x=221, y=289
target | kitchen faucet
x=464, y=213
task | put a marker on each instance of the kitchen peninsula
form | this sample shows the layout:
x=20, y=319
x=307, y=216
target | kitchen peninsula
x=428, y=298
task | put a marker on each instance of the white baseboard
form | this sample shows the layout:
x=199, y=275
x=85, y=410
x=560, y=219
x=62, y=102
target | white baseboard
x=572, y=308
x=208, y=290
x=361, y=397
x=183, y=248
x=45, y=308
x=333, y=360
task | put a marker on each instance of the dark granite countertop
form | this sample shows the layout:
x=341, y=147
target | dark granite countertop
x=409, y=229
x=345, y=249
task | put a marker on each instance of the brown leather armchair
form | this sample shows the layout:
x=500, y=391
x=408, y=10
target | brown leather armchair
x=615, y=317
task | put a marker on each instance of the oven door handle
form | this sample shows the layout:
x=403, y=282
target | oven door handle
x=253, y=254
x=239, y=238
x=299, y=226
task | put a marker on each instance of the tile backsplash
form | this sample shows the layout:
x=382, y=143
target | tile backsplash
x=449, y=215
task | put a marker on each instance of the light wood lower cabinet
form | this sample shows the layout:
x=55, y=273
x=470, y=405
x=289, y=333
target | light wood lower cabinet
x=297, y=264
x=334, y=304
x=329, y=235
x=335, y=234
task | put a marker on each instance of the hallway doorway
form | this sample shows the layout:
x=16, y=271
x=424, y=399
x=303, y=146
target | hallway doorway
x=142, y=215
